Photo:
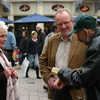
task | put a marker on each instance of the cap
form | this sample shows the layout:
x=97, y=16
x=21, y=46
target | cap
x=84, y=22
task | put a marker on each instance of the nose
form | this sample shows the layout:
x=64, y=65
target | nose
x=5, y=38
x=63, y=25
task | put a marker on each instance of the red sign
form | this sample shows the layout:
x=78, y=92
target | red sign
x=56, y=7
x=84, y=8
x=24, y=8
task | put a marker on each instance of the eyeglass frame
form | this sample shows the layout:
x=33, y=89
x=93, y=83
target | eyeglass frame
x=65, y=23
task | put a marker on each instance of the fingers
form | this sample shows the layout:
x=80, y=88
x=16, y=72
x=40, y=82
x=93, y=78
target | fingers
x=59, y=84
x=51, y=82
x=14, y=74
x=10, y=72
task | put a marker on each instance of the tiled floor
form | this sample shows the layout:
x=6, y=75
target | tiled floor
x=31, y=88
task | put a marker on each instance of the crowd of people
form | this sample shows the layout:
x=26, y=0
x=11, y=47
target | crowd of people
x=76, y=56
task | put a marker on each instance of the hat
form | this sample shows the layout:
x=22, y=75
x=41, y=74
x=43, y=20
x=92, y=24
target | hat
x=84, y=22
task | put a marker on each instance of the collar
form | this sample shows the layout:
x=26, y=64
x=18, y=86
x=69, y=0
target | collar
x=69, y=39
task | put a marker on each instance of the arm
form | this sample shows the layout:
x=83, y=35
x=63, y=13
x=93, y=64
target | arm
x=13, y=41
x=45, y=41
x=41, y=41
x=89, y=73
x=44, y=62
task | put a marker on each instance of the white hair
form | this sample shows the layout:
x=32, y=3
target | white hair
x=3, y=26
x=38, y=25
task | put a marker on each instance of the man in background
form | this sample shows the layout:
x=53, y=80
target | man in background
x=41, y=38
x=10, y=44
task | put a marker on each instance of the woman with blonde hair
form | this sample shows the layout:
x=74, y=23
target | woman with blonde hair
x=32, y=52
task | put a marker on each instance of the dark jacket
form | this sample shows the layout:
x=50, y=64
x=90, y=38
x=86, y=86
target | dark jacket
x=32, y=47
x=41, y=38
x=3, y=83
x=23, y=44
x=89, y=75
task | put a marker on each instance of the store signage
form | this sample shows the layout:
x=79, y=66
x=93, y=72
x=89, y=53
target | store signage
x=56, y=7
x=24, y=8
x=84, y=8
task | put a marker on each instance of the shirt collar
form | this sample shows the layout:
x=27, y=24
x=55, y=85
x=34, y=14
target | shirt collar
x=69, y=39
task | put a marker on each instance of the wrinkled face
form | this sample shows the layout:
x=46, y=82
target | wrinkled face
x=64, y=22
x=37, y=28
x=2, y=38
x=83, y=37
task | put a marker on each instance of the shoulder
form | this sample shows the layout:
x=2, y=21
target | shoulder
x=55, y=36
x=42, y=32
x=26, y=38
x=49, y=34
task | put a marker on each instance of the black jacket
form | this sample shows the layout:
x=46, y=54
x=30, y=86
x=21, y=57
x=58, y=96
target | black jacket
x=3, y=83
x=32, y=47
x=41, y=38
x=23, y=44
x=89, y=75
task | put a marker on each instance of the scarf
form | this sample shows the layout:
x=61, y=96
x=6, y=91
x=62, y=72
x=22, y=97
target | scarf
x=12, y=84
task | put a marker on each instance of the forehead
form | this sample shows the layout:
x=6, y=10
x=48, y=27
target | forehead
x=37, y=27
x=61, y=16
x=2, y=31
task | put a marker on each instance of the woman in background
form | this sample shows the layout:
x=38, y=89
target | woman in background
x=32, y=52
x=23, y=47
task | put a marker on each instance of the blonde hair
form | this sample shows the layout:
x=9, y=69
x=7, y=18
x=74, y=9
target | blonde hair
x=33, y=32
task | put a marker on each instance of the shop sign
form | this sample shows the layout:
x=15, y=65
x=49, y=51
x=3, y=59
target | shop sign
x=84, y=8
x=56, y=7
x=24, y=8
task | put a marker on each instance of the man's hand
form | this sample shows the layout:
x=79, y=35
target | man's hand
x=58, y=84
x=51, y=82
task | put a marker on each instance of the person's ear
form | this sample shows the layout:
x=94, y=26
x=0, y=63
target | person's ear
x=86, y=32
x=73, y=21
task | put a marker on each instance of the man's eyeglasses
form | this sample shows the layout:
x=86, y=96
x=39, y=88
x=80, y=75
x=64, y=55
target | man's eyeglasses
x=65, y=23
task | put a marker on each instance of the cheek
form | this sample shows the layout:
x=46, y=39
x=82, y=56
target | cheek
x=79, y=37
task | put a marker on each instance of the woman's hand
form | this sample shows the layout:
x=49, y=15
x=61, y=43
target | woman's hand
x=14, y=74
x=7, y=72
x=10, y=72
